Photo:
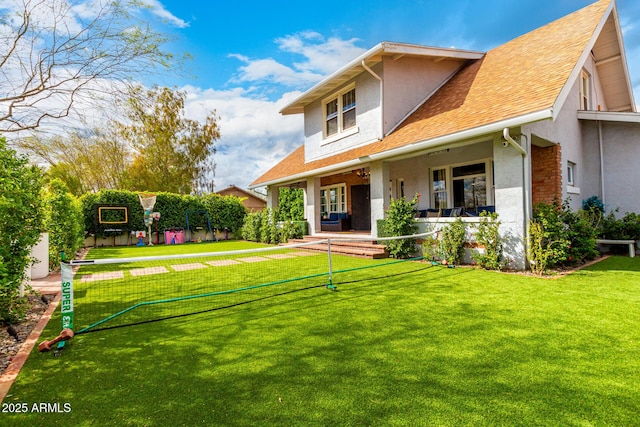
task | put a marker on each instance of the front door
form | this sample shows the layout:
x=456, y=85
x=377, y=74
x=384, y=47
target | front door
x=360, y=207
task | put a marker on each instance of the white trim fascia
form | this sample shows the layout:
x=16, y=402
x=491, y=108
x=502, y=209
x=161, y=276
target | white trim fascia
x=609, y=116
x=420, y=146
x=625, y=67
x=577, y=68
x=381, y=48
x=465, y=134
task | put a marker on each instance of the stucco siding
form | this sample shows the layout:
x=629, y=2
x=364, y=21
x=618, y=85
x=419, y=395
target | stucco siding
x=621, y=143
x=407, y=83
x=368, y=116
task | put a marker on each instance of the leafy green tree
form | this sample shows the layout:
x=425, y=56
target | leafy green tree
x=85, y=161
x=21, y=217
x=171, y=153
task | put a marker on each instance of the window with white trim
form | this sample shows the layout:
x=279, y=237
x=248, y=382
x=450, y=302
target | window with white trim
x=340, y=112
x=468, y=185
x=584, y=91
x=439, y=188
x=571, y=174
x=333, y=199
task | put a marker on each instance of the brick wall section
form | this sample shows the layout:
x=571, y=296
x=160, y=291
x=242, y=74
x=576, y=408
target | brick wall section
x=546, y=174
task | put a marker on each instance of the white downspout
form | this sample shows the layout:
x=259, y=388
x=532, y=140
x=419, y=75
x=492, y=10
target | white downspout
x=366, y=67
x=601, y=162
x=526, y=183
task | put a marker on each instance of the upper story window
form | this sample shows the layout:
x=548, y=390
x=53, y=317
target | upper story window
x=585, y=81
x=340, y=112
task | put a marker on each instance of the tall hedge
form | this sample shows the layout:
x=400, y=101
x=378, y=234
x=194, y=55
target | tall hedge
x=224, y=212
x=21, y=217
x=63, y=221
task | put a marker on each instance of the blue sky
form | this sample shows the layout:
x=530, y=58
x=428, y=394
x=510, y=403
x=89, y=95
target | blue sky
x=250, y=58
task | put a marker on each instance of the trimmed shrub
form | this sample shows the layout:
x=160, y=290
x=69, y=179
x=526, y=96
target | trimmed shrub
x=452, y=242
x=400, y=221
x=488, y=236
x=63, y=221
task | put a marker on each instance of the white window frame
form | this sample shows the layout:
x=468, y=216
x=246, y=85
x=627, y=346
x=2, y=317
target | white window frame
x=585, y=90
x=572, y=181
x=326, y=207
x=446, y=186
x=341, y=130
x=571, y=173
x=490, y=188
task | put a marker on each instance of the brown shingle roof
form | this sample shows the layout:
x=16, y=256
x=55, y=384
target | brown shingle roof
x=522, y=76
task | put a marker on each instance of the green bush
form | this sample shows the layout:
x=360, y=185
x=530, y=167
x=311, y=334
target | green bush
x=539, y=250
x=292, y=230
x=582, y=232
x=551, y=247
x=488, y=236
x=561, y=237
x=21, y=218
x=625, y=228
x=251, y=227
x=400, y=221
x=262, y=227
x=226, y=212
x=452, y=242
x=63, y=221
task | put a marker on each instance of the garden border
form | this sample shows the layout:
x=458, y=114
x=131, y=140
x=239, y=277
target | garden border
x=11, y=373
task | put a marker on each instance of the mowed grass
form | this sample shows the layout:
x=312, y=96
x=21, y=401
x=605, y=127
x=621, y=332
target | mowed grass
x=417, y=345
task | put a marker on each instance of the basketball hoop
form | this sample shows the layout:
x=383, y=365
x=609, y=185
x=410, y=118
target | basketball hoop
x=148, y=201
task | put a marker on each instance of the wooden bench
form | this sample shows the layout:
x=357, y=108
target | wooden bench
x=630, y=243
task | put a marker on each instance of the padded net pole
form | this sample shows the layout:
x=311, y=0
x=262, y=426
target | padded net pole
x=66, y=303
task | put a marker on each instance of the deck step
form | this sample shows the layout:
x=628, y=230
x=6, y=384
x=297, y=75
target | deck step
x=356, y=248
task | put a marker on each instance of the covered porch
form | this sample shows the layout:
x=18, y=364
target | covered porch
x=460, y=179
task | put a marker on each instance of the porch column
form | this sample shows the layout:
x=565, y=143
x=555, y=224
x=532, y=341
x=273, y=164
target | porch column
x=509, y=169
x=312, y=204
x=380, y=193
x=273, y=194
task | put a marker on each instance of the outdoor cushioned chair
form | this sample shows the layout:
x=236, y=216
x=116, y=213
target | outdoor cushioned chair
x=336, y=222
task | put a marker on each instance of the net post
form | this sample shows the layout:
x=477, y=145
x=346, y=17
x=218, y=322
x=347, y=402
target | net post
x=330, y=285
x=66, y=303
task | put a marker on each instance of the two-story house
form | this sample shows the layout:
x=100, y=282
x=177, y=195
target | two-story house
x=547, y=115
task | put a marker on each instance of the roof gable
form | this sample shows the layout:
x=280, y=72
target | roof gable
x=525, y=77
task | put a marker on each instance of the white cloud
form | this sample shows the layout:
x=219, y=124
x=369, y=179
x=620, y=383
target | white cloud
x=156, y=8
x=320, y=57
x=269, y=70
x=254, y=136
x=324, y=56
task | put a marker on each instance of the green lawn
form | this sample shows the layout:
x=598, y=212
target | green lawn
x=434, y=346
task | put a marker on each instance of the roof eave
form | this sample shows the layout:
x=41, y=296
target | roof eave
x=354, y=67
x=418, y=146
